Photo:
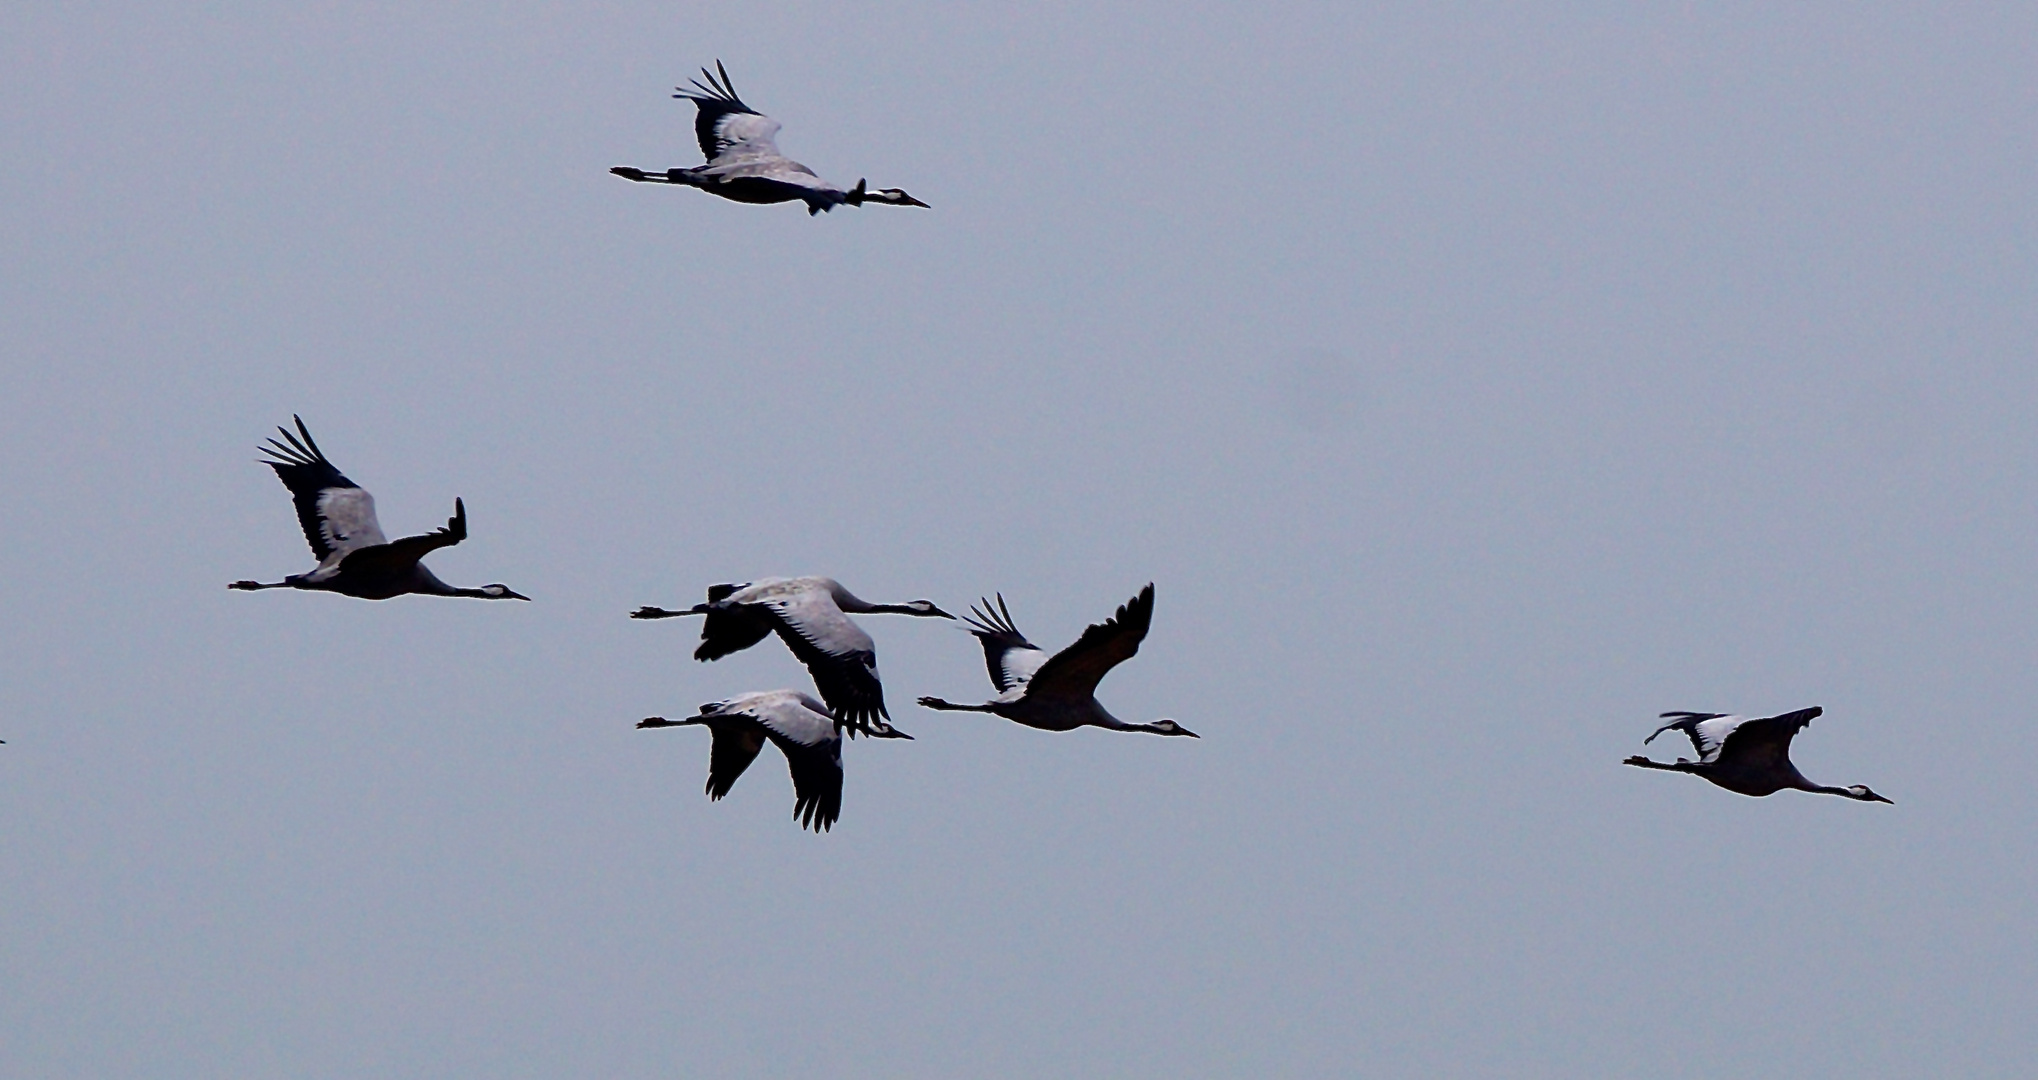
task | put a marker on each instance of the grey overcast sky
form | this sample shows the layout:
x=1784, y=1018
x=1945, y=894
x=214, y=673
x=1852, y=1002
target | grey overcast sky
x=1475, y=381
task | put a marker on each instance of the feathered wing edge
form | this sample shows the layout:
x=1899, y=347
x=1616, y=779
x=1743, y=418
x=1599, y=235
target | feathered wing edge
x=1103, y=646
x=995, y=631
x=303, y=468
x=1686, y=722
x=717, y=99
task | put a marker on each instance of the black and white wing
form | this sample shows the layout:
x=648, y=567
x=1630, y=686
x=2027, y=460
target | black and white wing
x=1075, y=671
x=1008, y=656
x=737, y=742
x=1707, y=731
x=802, y=730
x=729, y=629
x=337, y=514
x=399, y=555
x=839, y=655
x=1765, y=742
x=729, y=130
x=737, y=739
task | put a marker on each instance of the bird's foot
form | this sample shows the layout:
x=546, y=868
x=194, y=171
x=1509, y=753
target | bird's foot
x=245, y=585
x=1638, y=760
x=656, y=721
x=653, y=613
x=628, y=173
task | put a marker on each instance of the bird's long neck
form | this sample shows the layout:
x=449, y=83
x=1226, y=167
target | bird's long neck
x=428, y=582
x=1797, y=780
x=1101, y=717
x=850, y=602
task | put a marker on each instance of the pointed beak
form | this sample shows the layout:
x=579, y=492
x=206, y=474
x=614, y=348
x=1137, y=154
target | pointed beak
x=1880, y=799
x=908, y=200
x=512, y=594
x=937, y=611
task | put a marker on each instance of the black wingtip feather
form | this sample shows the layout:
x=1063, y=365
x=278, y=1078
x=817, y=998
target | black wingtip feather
x=306, y=432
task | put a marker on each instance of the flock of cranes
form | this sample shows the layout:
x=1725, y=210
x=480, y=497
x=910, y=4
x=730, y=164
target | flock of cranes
x=811, y=615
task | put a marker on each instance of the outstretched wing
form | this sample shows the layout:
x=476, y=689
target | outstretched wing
x=1764, y=742
x=1011, y=659
x=725, y=126
x=399, y=556
x=1705, y=730
x=813, y=753
x=1076, y=670
x=730, y=629
x=736, y=745
x=839, y=655
x=337, y=514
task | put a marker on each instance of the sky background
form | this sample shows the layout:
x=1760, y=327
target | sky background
x=1475, y=382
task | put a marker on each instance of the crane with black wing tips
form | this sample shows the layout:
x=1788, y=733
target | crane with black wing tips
x=1059, y=692
x=338, y=518
x=802, y=730
x=744, y=162
x=810, y=614
x=1746, y=755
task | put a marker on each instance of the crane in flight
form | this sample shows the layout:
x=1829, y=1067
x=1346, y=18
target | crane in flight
x=744, y=163
x=1746, y=755
x=338, y=516
x=810, y=615
x=1059, y=692
x=801, y=729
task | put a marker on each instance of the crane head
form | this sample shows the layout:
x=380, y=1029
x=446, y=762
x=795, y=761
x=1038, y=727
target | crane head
x=1165, y=726
x=501, y=592
x=926, y=607
x=862, y=193
x=1861, y=792
x=895, y=196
